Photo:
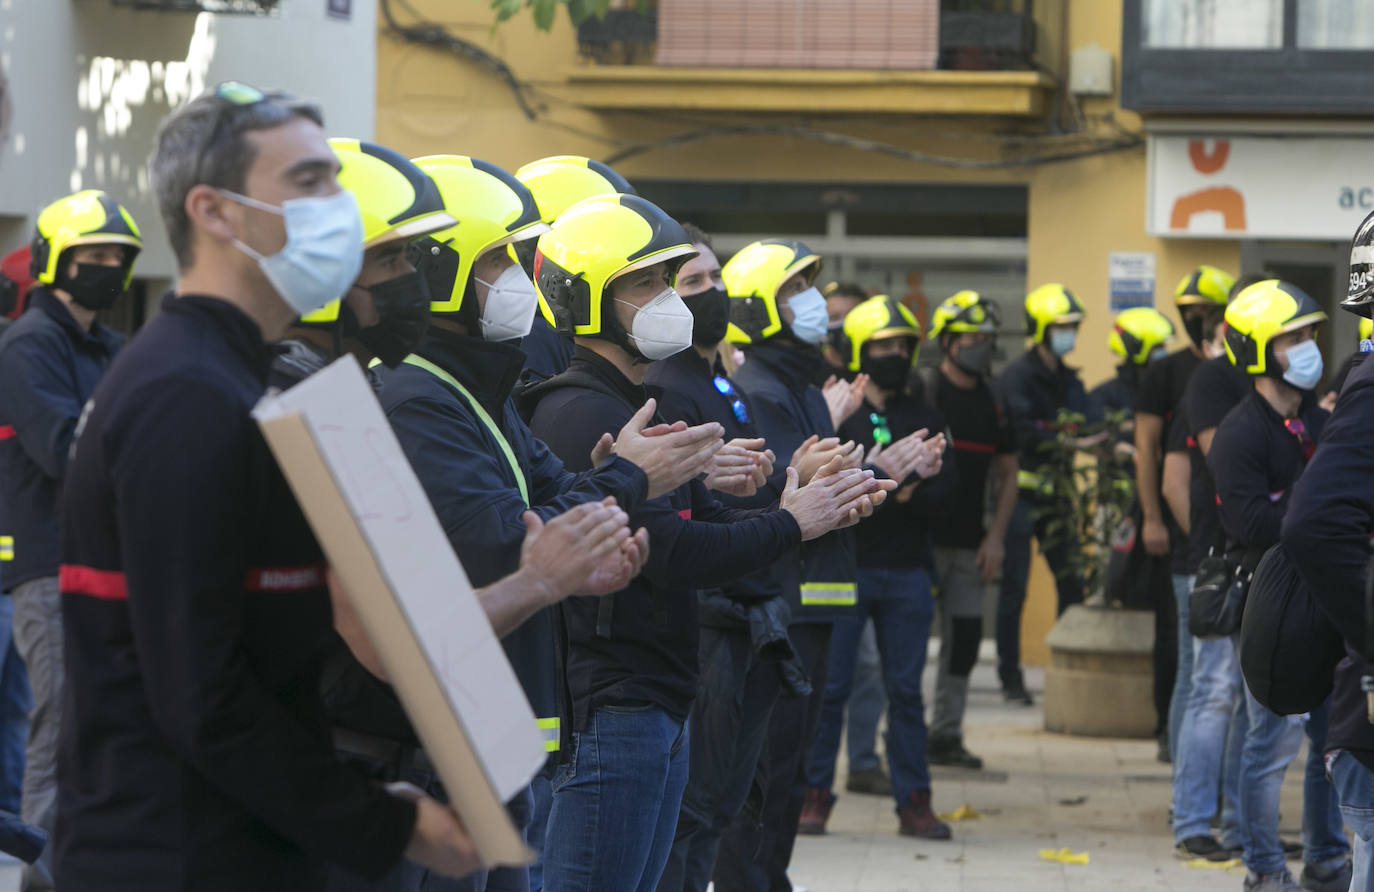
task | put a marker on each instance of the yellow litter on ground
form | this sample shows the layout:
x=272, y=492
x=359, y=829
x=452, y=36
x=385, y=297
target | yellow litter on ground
x=1063, y=856
x=1204, y=864
x=962, y=813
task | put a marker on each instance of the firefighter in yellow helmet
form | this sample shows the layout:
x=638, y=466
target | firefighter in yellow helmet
x=451, y=407
x=1201, y=300
x=607, y=269
x=968, y=551
x=1140, y=336
x=51, y=359
x=1034, y=389
x=557, y=183
x=384, y=313
x=895, y=567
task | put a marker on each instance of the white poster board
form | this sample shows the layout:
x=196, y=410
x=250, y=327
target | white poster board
x=381, y=536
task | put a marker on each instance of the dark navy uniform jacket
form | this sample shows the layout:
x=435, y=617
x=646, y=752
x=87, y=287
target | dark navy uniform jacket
x=1032, y=394
x=689, y=392
x=819, y=583
x=194, y=752
x=49, y=367
x=474, y=488
x=1326, y=536
x=639, y=646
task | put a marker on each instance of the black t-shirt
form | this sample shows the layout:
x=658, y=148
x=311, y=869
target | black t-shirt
x=1175, y=440
x=980, y=433
x=1214, y=390
x=1165, y=383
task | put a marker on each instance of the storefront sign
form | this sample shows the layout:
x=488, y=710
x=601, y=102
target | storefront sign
x=1300, y=187
x=1130, y=280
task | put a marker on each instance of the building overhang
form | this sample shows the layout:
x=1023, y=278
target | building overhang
x=811, y=91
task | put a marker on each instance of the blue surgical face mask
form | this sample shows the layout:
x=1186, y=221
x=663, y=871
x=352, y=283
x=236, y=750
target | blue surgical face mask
x=1304, y=365
x=323, y=253
x=1158, y=353
x=810, y=319
x=1062, y=341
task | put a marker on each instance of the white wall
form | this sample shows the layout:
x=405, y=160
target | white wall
x=89, y=81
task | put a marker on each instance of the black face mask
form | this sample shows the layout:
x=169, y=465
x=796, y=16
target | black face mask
x=888, y=372
x=975, y=359
x=402, y=318
x=1193, y=325
x=710, y=315
x=95, y=286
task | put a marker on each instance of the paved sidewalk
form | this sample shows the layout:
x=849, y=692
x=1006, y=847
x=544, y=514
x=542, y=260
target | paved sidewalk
x=1108, y=798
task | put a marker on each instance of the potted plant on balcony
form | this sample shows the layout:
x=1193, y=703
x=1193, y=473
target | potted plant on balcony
x=1100, y=680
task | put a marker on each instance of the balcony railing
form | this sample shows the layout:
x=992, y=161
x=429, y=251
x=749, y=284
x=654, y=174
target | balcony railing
x=961, y=35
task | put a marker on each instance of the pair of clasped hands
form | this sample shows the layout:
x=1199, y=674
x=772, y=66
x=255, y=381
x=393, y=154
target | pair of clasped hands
x=590, y=550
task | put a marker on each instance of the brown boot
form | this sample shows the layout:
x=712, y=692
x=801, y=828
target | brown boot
x=815, y=812
x=918, y=820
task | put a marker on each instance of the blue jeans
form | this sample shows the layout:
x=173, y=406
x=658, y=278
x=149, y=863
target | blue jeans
x=541, y=795
x=1354, y=785
x=1271, y=742
x=1183, y=678
x=866, y=704
x=1011, y=596
x=1210, y=739
x=1323, y=835
x=899, y=601
x=15, y=703
x=616, y=801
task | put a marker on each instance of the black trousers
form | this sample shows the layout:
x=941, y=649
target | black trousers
x=757, y=846
x=729, y=730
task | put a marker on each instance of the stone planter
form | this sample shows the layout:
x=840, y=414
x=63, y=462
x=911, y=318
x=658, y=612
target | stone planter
x=1100, y=680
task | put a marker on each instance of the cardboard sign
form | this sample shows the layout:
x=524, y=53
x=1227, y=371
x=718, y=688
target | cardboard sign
x=380, y=534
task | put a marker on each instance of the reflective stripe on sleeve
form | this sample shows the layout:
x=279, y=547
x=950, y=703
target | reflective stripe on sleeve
x=552, y=730
x=828, y=594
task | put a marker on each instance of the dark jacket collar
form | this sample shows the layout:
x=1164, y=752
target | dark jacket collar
x=240, y=332
x=44, y=301
x=1041, y=370
x=594, y=363
x=486, y=368
x=795, y=366
x=689, y=362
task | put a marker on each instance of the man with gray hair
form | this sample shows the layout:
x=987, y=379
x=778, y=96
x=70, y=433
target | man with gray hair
x=195, y=751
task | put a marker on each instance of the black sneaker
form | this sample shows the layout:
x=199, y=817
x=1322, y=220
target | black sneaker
x=1291, y=850
x=1314, y=879
x=950, y=751
x=1203, y=847
x=1014, y=691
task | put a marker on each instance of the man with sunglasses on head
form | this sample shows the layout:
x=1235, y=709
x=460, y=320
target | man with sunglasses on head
x=1258, y=453
x=195, y=750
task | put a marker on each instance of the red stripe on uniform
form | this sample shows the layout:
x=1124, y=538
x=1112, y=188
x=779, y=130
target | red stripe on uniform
x=284, y=579
x=7, y=431
x=107, y=585
x=972, y=446
x=685, y=514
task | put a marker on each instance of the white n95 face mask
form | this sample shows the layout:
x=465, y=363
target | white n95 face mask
x=511, y=304
x=323, y=253
x=810, y=320
x=661, y=327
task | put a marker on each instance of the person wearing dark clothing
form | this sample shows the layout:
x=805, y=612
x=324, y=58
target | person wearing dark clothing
x=1201, y=300
x=1033, y=390
x=1140, y=336
x=894, y=572
x=1256, y=458
x=194, y=593
x=1325, y=535
x=745, y=656
x=631, y=665
x=51, y=361
x=783, y=316
x=1210, y=734
x=968, y=553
